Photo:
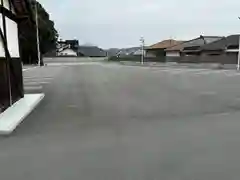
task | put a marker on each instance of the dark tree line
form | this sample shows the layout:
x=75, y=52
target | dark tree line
x=48, y=35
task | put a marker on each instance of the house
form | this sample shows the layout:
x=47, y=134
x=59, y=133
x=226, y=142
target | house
x=190, y=47
x=71, y=48
x=91, y=51
x=11, y=82
x=186, y=51
x=67, y=51
x=224, y=51
x=67, y=48
x=158, y=49
x=73, y=43
x=193, y=47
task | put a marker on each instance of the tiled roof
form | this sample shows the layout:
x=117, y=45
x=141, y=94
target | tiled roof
x=178, y=47
x=232, y=40
x=197, y=42
x=164, y=44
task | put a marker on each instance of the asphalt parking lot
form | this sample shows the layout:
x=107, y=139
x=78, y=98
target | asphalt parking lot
x=107, y=121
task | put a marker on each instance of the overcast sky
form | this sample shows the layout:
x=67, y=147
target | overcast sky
x=121, y=23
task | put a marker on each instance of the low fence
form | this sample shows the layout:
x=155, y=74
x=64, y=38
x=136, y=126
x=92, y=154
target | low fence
x=219, y=59
x=137, y=59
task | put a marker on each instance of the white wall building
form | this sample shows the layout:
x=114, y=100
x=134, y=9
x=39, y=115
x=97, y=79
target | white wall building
x=67, y=52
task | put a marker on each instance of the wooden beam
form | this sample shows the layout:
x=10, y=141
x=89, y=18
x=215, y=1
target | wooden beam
x=8, y=13
x=10, y=5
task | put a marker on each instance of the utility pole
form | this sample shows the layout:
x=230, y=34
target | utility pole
x=238, y=65
x=142, y=44
x=37, y=34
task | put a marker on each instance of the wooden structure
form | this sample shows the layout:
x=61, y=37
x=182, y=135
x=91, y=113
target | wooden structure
x=12, y=13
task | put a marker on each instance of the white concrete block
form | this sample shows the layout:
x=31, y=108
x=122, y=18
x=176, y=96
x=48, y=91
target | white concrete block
x=14, y=115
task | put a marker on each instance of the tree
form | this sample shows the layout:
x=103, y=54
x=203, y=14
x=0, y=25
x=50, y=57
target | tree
x=48, y=35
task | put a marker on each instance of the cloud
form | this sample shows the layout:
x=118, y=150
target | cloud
x=111, y=23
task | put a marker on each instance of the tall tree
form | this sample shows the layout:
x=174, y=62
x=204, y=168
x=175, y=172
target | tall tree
x=48, y=35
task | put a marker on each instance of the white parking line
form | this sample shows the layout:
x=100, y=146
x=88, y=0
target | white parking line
x=175, y=71
x=35, y=83
x=197, y=72
x=34, y=77
x=74, y=63
x=231, y=74
x=212, y=72
x=31, y=68
x=33, y=87
x=37, y=80
x=208, y=93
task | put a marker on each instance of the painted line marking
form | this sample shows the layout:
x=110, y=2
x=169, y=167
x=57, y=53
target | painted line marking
x=208, y=93
x=221, y=114
x=35, y=83
x=72, y=106
x=74, y=63
x=33, y=88
x=28, y=69
x=213, y=72
x=37, y=78
x=232, y=74
x=177, y=70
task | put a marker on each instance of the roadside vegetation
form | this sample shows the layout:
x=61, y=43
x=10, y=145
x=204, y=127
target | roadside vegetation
x=48, y=35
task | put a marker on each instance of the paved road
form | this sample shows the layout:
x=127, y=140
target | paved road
x=72, y=60
x=36, y=79
x=109, y=122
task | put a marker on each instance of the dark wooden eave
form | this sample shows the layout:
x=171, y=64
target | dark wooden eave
x=20, y=6
x=8, y=13
x=23, y=9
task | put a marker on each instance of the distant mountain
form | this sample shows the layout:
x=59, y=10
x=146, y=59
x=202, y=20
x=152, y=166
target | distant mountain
x=112, y=51
x=91, y=51
x=123, y=51
x=128, y=51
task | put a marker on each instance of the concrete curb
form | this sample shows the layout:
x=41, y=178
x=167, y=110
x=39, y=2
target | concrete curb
x=14, y=115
